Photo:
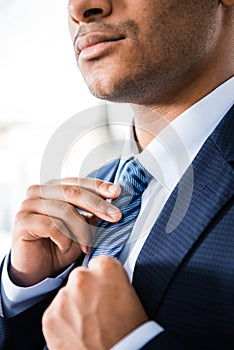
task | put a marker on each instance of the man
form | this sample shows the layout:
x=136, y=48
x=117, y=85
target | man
x=172, y=60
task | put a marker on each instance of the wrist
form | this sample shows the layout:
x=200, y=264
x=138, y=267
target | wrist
x=22, y=279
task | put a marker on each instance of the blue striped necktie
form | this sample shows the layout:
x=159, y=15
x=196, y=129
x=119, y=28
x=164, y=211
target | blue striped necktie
x=111, y=237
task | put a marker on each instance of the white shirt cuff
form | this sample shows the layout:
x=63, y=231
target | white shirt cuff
x=17, y=299
x=139, y=337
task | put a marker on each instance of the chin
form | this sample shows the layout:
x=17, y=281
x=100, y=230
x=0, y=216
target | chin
x=106, y=89
x=120, y=92
x=111, y=83
x=132, y=86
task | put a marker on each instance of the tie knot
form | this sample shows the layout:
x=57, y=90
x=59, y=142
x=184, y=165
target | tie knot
x=134, y=178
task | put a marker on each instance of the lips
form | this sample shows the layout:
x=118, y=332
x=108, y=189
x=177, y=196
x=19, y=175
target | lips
x=93, y=39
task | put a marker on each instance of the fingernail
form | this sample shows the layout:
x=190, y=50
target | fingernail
x=113, y=212
x=113, y=189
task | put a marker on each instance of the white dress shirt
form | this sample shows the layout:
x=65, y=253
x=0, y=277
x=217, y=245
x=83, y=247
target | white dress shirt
x=167, y=157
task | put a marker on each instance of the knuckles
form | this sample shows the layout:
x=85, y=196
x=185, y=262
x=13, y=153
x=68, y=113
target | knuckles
x=106, y=265
x=67, y=209
x=71, y=191
x=62, y=300
x=26, y=204
x=47, y=319
x=32, y=191
x=79, y=278
x=21, y=216
x=56, y=309
x=100, y=185
x=100, y=205
x=55, y=225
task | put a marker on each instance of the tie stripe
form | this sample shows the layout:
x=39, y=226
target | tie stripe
x=111, y=237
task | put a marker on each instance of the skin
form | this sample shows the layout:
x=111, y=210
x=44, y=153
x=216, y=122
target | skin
x=49, y=233
x=172, y=54
x=81, y=314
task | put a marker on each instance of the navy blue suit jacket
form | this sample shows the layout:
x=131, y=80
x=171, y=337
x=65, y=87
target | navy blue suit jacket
x=184, y=279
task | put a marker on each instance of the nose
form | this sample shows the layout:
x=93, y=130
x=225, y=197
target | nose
x=88, y=10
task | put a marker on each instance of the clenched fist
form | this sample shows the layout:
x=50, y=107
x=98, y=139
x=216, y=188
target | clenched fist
x=96, y=309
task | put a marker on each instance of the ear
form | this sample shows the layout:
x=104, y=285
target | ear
x=227, y=3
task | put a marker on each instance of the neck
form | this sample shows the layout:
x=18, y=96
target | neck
x=152, y=118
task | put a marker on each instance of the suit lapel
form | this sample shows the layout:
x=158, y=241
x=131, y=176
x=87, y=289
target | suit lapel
x=163, y=253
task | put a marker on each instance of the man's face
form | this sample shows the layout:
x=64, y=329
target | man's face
x=137, y=50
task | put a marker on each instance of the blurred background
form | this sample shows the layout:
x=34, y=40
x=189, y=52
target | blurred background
x=40, y=88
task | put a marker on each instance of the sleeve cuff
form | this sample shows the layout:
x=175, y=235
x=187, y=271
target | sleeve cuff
x=139, y=337
x=17, y=299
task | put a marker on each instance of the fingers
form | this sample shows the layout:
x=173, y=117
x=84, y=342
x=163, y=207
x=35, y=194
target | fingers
x=104, y=262
x=33, y=227
x=83, y=197
x=56, y=214
x=50, y=211
x=107, y=267
x=81, y=309
x=102, y=188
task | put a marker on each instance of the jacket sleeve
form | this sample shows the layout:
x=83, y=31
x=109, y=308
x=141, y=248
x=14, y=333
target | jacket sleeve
x=24, y=331
x=164, y=341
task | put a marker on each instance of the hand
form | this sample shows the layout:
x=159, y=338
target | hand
x=49, y=233
x=96, y=309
